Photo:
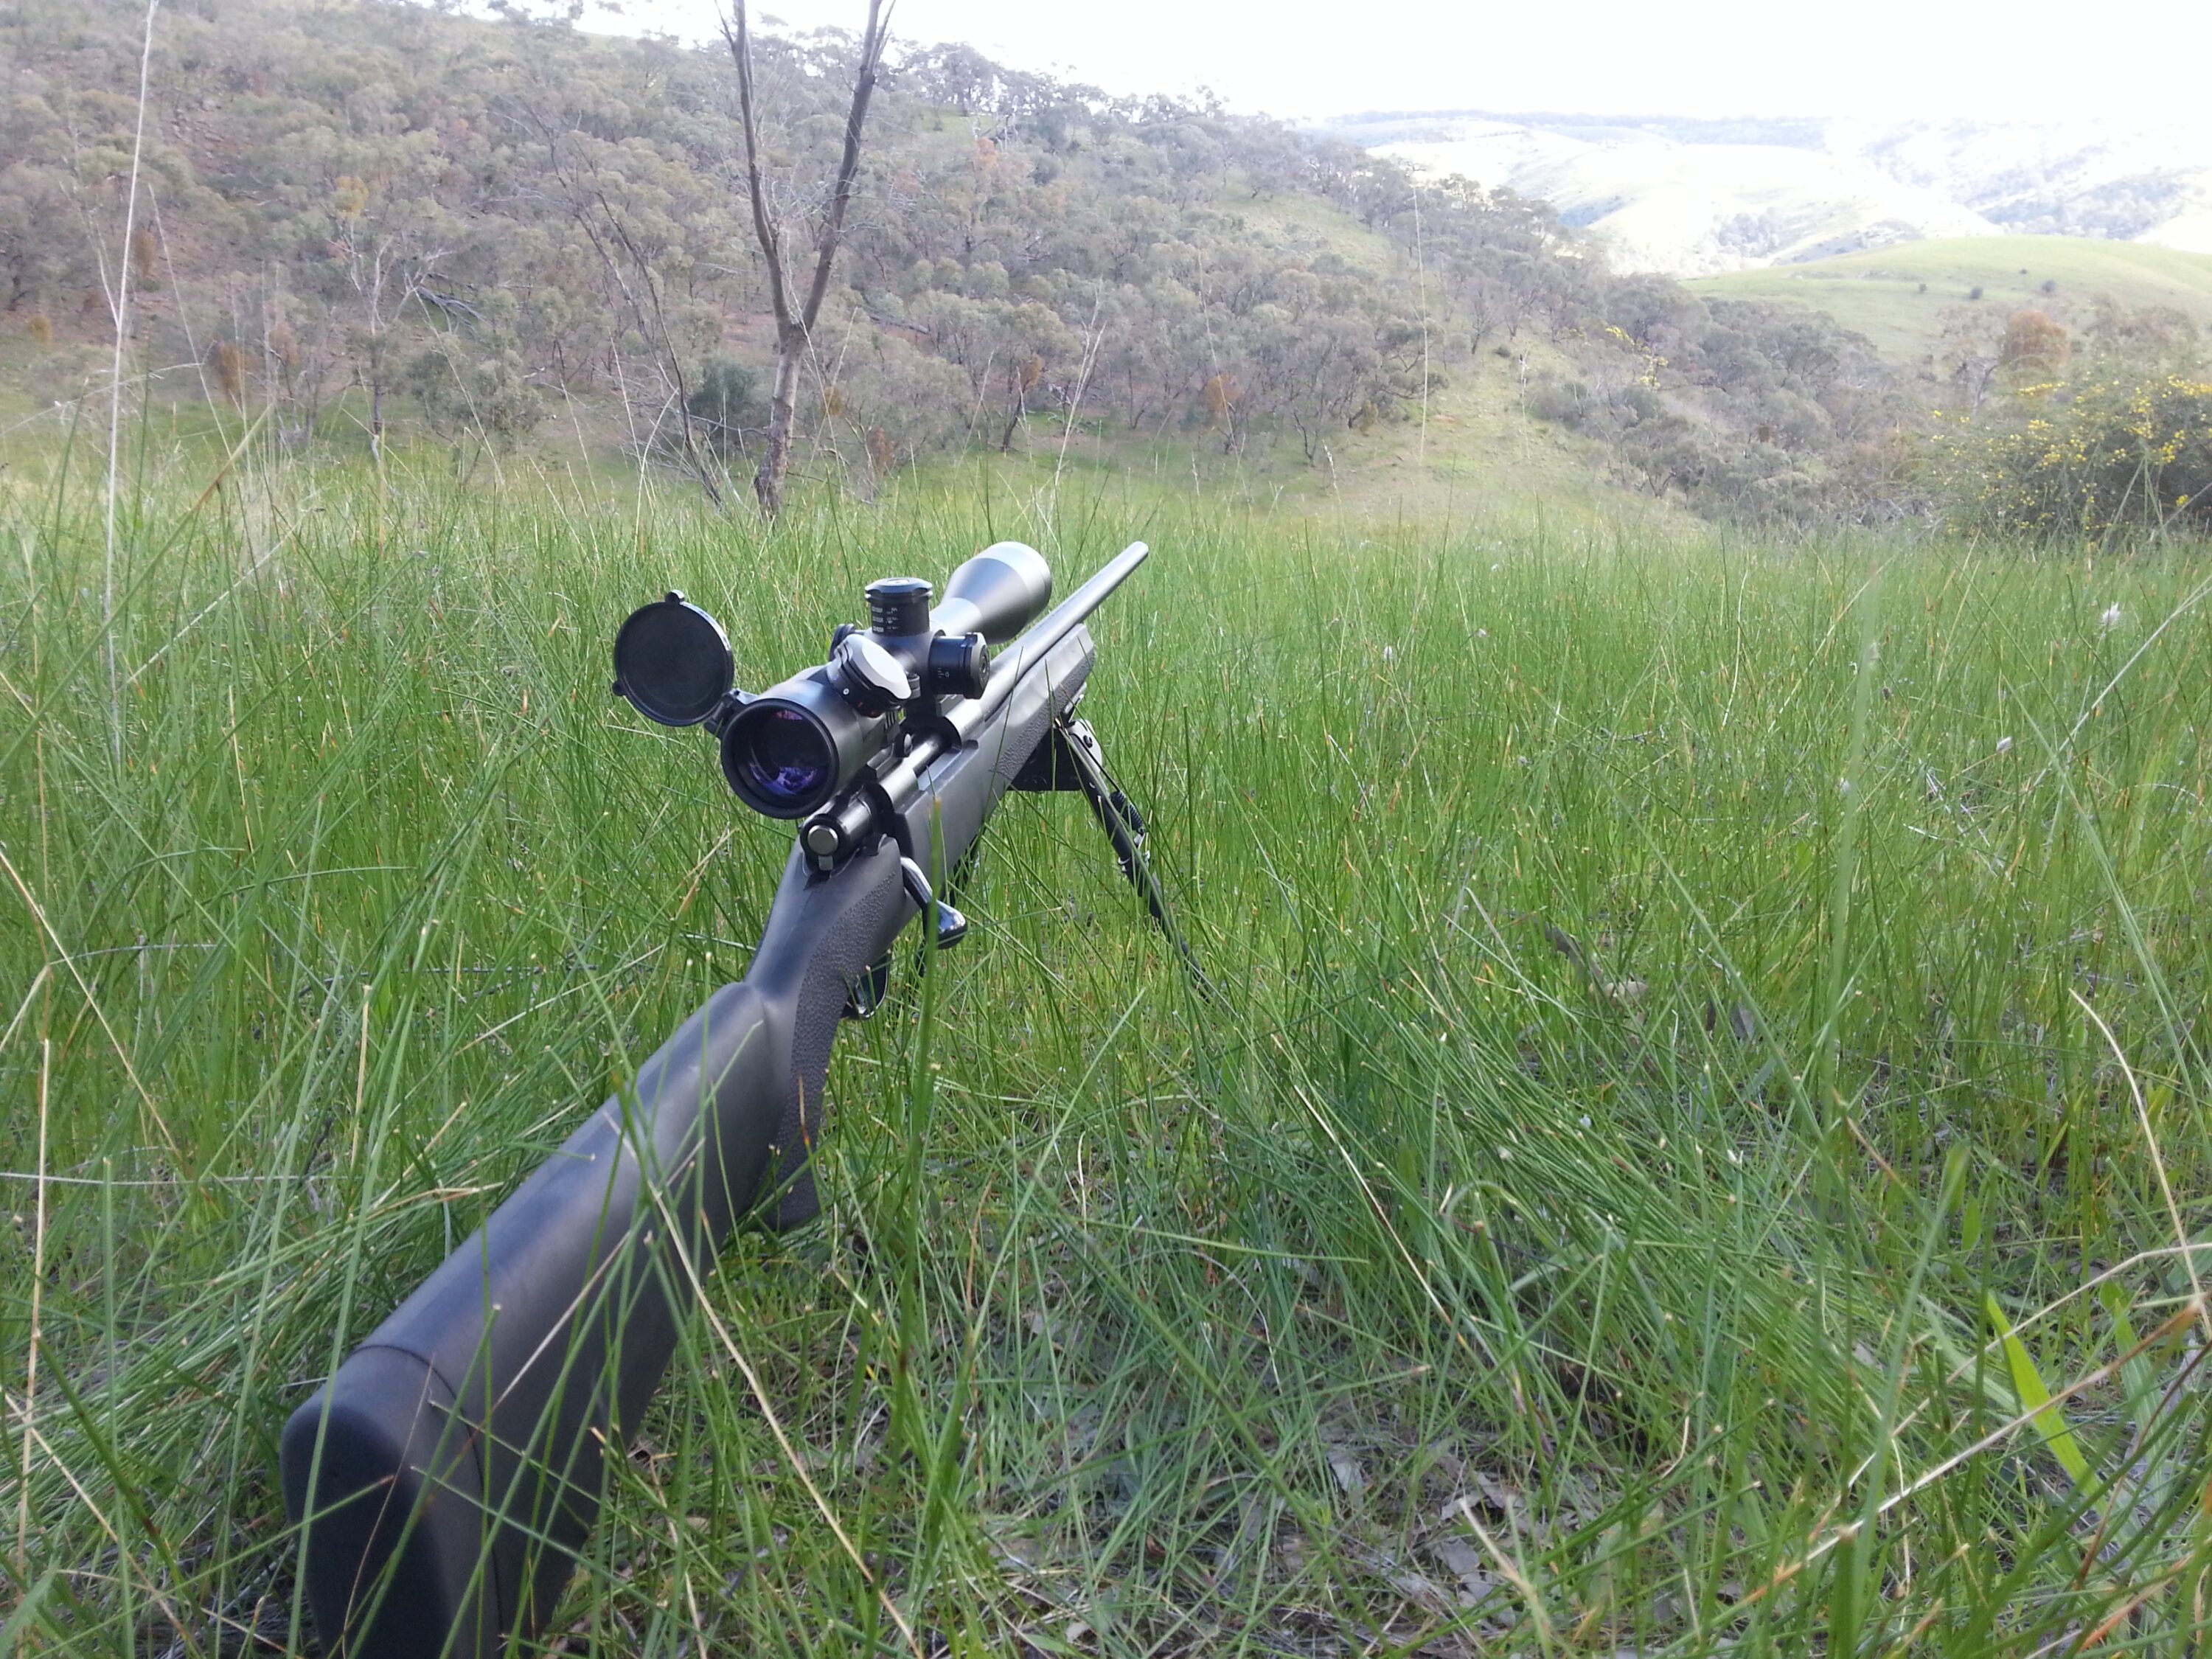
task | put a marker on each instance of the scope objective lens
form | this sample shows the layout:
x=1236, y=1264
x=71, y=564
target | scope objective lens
x=779, y=760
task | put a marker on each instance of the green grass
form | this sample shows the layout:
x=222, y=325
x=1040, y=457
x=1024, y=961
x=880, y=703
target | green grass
x=1880, y=294
x=1579, y=1233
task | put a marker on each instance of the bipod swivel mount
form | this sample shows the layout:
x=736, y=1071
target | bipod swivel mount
x=1070, y=758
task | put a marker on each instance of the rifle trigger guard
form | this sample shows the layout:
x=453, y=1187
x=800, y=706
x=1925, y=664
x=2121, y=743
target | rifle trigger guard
x=864, y=995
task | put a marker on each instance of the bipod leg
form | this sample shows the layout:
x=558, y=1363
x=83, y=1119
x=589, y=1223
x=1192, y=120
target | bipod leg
x=1071, y=759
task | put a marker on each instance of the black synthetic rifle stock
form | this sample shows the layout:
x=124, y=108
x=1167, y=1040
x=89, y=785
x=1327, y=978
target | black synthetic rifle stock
x=446, y=1474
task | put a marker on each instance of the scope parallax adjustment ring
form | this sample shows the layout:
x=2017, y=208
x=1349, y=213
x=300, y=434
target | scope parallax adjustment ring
x=959, y=665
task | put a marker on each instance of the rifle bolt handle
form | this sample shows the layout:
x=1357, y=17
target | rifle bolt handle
x=917, y=884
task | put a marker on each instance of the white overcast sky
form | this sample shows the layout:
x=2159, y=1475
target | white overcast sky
x=2146, y=61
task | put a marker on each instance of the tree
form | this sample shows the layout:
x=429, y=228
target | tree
x=900, y=401
x=387, y=234
x=473, y=389
x=1970, y=353
x=2142, y=341
x=37, y=267
x=794, y=322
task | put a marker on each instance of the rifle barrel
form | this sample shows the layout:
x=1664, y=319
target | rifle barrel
x=1036, y=643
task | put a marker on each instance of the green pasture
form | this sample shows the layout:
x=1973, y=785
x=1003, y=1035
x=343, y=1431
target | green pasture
x=1700, y=1152
x=1898, y=296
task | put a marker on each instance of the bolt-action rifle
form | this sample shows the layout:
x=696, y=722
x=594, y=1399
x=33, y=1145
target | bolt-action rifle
x=446, y=1474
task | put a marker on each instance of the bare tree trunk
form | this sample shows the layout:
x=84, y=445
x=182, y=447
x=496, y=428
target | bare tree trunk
x=794, y=326
x=782, y=407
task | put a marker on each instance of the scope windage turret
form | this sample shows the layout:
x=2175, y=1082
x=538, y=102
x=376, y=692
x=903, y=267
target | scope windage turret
x=945, y=659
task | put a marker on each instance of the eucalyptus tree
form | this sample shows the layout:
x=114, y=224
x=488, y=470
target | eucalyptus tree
x=796, y=314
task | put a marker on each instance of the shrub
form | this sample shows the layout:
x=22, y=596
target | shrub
x=474, y=392
x=1567, y=403
x=2033, y=343
x=902, y=402
x=226, y=367
x=2088, y=460
x=726, y=405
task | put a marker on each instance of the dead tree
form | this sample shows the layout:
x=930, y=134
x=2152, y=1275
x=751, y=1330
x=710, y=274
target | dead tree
x=795, y=323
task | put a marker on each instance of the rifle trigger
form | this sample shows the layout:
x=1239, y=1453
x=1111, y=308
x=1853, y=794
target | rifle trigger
x=864, y=995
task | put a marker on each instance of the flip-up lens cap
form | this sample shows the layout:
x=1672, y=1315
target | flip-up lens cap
x=672, y=661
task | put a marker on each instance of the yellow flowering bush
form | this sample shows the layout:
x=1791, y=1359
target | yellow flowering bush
x=2105, y=456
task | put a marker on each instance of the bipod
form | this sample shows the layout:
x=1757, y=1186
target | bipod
x=1070, y=758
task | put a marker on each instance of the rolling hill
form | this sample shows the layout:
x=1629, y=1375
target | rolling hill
x=1897, y=297
x=1655, y=203
x=1695, y=198
x=1153, y=290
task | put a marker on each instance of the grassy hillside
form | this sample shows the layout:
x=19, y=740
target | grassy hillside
x=1897, y=296
x=378, y=219
x=1673, y=1001
x=1477, y=454
x=1474, y=452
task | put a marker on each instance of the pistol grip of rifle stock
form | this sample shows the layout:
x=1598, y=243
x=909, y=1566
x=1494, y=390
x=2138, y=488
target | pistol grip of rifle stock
x=452, y=1467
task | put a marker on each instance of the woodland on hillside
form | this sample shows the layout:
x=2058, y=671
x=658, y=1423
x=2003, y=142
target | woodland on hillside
x=390, y=210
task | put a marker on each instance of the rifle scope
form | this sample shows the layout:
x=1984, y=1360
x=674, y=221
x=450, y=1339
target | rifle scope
x=800, y=744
